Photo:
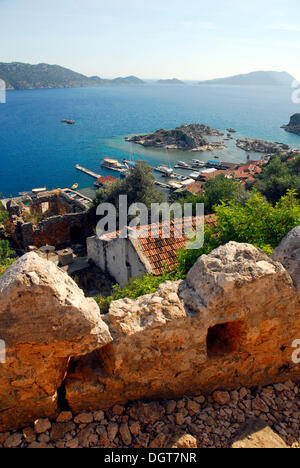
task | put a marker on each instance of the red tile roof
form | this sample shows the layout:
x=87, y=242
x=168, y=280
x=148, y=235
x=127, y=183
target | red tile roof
x=195, y=187
x=106, y=180
x=161, y=252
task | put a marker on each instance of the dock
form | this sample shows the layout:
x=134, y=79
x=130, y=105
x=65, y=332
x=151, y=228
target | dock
x=88, y=172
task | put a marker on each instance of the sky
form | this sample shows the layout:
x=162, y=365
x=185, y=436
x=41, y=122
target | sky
x=184, y=39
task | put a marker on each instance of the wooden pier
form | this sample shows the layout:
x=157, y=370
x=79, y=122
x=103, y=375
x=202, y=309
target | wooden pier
x=88, y=172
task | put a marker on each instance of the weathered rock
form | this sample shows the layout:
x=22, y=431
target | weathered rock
x=13, y=441
x=222, y=398
x=288, y=253
x=257, y=434
x=44, y=320
x=293, y=125
x=59, y=430
x=42, y=425
x=65, y=416
x=84, y=418
x=112, y=430
x=183, y=441
x=228, y=325
x=125, y=434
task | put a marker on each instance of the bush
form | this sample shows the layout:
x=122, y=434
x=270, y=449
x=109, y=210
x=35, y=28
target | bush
x=280, y=175
x=5, y=256
x=135, y=288
x=257, y=222
x=213, y=193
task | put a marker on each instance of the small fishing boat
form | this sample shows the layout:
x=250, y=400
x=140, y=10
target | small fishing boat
x=69, y=122
x=74, y=187
x=164, y=170
x=39, y=190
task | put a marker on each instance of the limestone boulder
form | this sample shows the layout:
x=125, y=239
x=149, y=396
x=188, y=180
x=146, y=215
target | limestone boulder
x=288, y=253
x=235, y=278
x=45, y=320
x=256, y=434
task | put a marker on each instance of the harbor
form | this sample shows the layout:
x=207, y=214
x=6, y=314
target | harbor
x=198, y=171
x=87, y=171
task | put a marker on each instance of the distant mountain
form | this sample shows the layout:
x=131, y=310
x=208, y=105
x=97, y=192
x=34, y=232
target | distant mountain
x=174, y=81
x=259, y=78
x=129, y=80
x=25, y=76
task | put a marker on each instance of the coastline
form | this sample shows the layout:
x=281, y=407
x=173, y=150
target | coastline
x=33, y=136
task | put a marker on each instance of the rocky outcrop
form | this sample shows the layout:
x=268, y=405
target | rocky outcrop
x=186, y=137
x=44, y=321
x=261, y=146
x=288, y=253
x=230, y=323
x=294, y=125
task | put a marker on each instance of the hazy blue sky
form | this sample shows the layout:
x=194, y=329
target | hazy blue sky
x=187, y=39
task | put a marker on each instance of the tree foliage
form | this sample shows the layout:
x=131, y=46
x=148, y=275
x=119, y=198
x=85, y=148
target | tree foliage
x=213, y=193
x=136, y=288
x=257, y=222
x=139, y=186
x=6, y=254
x=278, y=176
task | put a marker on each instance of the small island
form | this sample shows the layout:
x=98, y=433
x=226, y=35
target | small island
x=191, y=137
x=294, y=125
x=261, y=146
x=173, y=81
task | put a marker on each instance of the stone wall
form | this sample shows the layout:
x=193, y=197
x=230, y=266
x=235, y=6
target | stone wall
x=64, y=220
x=231, y=323
x=117, y=257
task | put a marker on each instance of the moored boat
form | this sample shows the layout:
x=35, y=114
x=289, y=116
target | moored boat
x=182, y=164
x=69, y=122
x=39, y=190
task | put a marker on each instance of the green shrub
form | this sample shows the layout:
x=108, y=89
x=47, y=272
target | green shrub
x=6, y=255
x=135, y=288
x=257, y=222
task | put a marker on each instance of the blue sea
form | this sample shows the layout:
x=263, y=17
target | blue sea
x=36, y=149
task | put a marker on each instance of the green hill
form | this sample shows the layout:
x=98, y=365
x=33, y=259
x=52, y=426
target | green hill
x=25, y=76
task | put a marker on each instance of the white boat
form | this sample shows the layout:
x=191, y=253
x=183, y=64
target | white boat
x=164, y=170
x=39, y=190
x=182, y=164
x=113, y=164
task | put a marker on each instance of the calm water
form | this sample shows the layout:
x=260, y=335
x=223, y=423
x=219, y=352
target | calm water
x=36, y=149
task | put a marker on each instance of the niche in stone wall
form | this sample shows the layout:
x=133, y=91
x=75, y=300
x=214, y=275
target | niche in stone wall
x=223, y=339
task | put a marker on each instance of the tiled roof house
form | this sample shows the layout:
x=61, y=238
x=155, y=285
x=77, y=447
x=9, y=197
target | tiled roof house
x=133, y=257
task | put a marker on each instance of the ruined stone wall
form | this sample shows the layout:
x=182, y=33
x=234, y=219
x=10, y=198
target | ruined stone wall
x=59, y=230
x=65, y=220
x=231, y=323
